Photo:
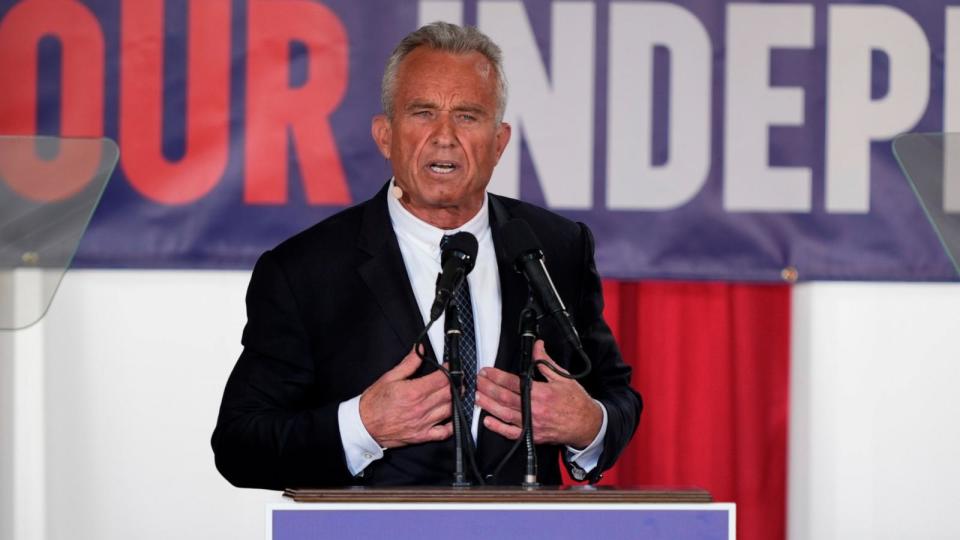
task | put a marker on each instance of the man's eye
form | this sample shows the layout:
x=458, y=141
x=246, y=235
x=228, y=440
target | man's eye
x=467, y=117
x=423, y=114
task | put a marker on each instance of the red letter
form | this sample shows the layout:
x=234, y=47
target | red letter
x=81, y=96
x=141, y=100
x=273, y=106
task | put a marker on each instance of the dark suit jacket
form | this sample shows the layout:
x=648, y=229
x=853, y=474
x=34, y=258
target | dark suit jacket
x=331, y=309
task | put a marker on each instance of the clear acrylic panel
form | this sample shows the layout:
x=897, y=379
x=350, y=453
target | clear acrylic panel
x=931, y=162
x=49, y=188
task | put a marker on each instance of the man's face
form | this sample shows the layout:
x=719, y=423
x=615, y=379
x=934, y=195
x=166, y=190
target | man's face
x=444, y=138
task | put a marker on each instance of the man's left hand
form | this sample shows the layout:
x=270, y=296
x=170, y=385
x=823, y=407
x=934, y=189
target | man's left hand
x=563, y=412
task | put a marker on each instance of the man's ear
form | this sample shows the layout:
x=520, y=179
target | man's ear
x=381, y=132
x=503, y=137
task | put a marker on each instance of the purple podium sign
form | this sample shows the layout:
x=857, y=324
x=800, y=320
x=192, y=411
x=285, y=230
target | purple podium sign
x=484, y=521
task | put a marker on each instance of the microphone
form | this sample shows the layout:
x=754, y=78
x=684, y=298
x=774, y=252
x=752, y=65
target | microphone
x=457, y=260
x=521, y=246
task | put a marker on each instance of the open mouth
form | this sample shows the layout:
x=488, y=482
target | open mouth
x=443, y=167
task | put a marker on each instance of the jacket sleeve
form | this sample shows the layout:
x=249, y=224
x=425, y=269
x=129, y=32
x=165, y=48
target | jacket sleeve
x=609, y=380
x=272, y=432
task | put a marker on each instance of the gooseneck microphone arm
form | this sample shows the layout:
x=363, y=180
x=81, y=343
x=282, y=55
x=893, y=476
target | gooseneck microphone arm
x=529, y=332
x=451, y=348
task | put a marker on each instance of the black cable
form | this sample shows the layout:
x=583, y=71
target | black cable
x=588, y=366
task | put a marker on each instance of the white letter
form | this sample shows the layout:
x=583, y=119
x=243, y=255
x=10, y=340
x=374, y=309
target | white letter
x=853, y=119
x=555, y=113
x=450, y=11
x=750, y=184
x=632, y=181
x=951, y=112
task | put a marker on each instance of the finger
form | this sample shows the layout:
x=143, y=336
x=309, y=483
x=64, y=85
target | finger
x=404, y=369
x=550, y=374
x=500, y=410
x=540, y=353
x=439, y=432
x=436, y=398
x=495, y=425
x=540, y=350
x=498, y=393
x=502, y=378
x=432, y=382
x=438, y=413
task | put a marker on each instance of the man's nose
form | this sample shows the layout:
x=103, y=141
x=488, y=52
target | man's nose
x=445, y=133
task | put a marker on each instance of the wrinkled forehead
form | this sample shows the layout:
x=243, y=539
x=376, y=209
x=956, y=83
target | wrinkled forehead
x=426, y=70
x=425, y=60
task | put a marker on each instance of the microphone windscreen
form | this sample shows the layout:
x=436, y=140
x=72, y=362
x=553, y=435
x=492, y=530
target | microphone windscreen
x=463, y=242
x=517, y=238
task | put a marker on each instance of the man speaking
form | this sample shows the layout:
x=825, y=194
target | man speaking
x=328, y=390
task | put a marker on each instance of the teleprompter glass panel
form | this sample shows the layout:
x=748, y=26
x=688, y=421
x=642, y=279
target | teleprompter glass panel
x=931, y=162
x=49, y=188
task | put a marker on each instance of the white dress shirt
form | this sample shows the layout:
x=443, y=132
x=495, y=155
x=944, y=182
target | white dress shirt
x=420, y=246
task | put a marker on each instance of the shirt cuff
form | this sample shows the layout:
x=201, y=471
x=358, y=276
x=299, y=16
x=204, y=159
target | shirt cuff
x=587, y=459
x=359, y=448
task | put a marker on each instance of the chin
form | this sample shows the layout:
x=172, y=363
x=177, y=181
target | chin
x=444, y=203
x=443, y=198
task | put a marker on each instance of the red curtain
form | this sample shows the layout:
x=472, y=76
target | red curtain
x=712, y=363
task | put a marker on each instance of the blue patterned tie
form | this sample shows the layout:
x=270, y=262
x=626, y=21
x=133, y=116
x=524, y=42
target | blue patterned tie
x=468, y=344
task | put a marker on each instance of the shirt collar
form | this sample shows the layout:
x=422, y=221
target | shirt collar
x=413, y=228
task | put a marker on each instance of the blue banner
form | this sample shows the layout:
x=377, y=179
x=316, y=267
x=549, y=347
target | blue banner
x=698, y=139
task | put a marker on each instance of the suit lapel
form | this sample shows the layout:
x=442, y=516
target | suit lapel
x=513, y=294
x=385, y=274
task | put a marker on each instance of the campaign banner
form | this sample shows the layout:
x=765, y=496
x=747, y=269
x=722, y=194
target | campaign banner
x=698, y=139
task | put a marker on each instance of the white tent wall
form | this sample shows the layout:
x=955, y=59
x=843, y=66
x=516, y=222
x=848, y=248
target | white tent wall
x=875, y=410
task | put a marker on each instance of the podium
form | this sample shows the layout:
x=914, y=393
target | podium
x=481, y=513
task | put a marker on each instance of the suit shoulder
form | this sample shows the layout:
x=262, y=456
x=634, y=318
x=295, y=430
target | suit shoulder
x=333, y=237
x=543, y=221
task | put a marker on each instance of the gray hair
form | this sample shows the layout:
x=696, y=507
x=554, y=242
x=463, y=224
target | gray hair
x=446, y=37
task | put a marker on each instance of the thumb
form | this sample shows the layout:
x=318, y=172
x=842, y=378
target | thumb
x=407, y=367
x=540, y=353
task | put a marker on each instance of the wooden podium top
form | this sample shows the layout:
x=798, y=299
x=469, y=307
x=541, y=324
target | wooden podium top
x=550, y=494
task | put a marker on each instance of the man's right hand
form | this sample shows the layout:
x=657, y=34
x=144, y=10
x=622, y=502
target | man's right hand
x=397, y=410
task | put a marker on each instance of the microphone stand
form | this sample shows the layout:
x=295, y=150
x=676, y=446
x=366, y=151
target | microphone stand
x=452, y=332
x=529, y=330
